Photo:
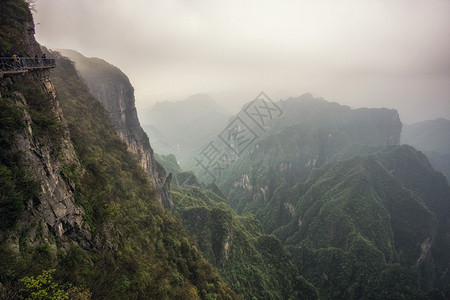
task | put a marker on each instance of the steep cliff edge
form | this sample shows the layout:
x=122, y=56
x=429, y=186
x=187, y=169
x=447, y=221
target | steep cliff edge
x=35, y=146
x=113, y=88
x=368, y=126
x=43, y=147
x=72, y=198
x=254, y=264
x=302, y=134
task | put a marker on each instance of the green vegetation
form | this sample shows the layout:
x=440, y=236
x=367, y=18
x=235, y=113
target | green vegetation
x=45, y=122
x=326, y=207
x=169, y=162
x=42, y=287
x=13, y=15
x=154, y=255
x=254, y=264
x=128, y=247
x=16, y=186
x=361, y=226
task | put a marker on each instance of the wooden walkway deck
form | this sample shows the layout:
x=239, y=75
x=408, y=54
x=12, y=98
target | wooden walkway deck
x=18, y=66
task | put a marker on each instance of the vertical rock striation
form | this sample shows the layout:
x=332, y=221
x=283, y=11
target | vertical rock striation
x=53, y=209
x=113, y=88
x=43, y=149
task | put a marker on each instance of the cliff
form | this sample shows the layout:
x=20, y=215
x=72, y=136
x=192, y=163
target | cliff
x=304, y=133
x=36, y=147
x=73, y=199
x=378, y=221
x=433, y=138
x=113, y=88
x=254, y=264
x=369, y=126
x=42, y=148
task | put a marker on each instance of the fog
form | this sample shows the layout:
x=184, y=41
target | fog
x=388, y=53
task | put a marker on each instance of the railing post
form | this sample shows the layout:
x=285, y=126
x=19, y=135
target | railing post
x=9, y=64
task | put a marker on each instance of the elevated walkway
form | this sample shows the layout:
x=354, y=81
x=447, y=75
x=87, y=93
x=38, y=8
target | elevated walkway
x=10, y=66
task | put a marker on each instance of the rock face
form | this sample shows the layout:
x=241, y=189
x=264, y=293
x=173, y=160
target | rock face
x=52, y=211
x=307, y=134
x=255, y=264
x=368, y=126
x=113, y=88
x=370, y=212
x=74, y=199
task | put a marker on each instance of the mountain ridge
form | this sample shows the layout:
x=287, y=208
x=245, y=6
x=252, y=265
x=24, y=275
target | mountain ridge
x=371, y=200
x=78, y=204
x=433, y=138
x=113, y=88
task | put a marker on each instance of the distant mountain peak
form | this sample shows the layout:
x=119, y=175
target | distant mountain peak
x=199, y=97
x=204, y=102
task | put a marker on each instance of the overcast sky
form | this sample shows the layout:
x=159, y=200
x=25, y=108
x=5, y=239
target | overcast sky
x=384, y=53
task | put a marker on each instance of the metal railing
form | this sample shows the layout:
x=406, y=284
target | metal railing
x=11, y=64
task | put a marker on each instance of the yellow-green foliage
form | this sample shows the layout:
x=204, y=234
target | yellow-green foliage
x=42, y=287
x=154, y=256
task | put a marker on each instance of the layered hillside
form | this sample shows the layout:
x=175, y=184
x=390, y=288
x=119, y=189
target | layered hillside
x=360, y=216
x=371, y=223
x=433, y=138
x=307, y=134
x=113, y=88
x=371, y=227
x=254, y=264
x=368, y=126
x=326, y=203
x=75, y=200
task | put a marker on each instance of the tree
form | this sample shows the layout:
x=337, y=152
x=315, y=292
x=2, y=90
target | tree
x=42, y=287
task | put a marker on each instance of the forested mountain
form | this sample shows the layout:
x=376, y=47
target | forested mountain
x=252, y=275
x=433, y=138
x=372, y=223
x=362, y=217
x=354, y=210
x=75, y=200
x=308, y=133
x=296, y=199
x=253, y=263
x=113, y=88
x=370, y=226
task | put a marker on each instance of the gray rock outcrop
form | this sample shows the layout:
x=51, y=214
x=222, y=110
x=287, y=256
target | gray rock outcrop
x=113, y=88
x=53, y=212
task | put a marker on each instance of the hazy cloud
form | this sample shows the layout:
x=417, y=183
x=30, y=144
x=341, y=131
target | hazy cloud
x=391, y=53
